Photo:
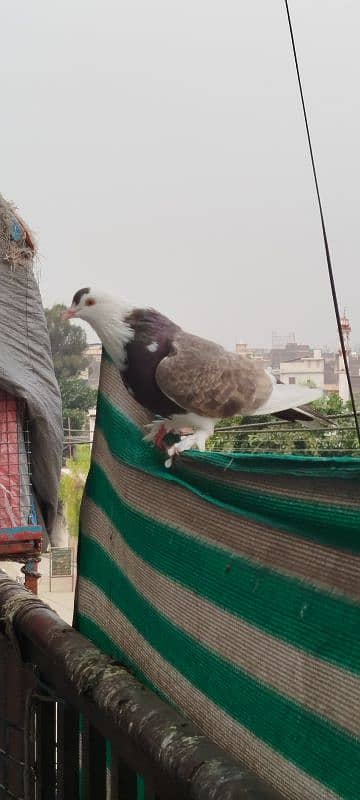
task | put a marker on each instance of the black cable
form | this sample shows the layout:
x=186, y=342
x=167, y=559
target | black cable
x=326, y=244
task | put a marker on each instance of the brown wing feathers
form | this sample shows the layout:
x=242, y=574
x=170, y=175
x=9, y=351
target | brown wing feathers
x=206, y=379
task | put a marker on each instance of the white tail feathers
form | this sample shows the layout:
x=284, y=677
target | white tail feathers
x=285, y=396
x=315, y=420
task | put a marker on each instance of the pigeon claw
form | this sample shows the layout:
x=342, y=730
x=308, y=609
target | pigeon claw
x=187, y=442
x=156, y=432
x=159, y=438
x=171, y=458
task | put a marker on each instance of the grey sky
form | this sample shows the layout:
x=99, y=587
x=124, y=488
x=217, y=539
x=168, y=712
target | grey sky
x=158, y=150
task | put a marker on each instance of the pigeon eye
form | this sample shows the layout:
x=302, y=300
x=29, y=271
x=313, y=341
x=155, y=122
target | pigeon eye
x=90, y=302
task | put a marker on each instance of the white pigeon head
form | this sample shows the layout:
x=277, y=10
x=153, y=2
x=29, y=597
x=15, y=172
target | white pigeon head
x=106, y=315
x=88, y=304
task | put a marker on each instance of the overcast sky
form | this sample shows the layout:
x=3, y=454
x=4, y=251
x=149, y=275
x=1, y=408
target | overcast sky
x=158, y=150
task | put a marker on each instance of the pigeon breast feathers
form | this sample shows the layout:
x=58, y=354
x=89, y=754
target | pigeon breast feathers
x=202, y=377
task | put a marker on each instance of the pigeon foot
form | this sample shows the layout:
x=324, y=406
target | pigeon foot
x=192, y=440
x=157, y=431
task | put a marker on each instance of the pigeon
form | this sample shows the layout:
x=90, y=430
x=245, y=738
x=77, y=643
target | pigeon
x=184, y=381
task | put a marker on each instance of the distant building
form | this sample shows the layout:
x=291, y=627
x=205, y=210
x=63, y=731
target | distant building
x=310, y=369
x=92, y=371
x=290, y=352
x=331, y=382
x=353, y=360
x=241, y=349
x=260, y=354
x=299, y=363
x=327, y=371
x=354, y=368
x=286, y=348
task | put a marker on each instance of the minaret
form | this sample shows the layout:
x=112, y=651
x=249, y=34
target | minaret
x=343, y=384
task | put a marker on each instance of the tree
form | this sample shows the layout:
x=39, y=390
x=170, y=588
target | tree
x=77, y=397
x=68, y=344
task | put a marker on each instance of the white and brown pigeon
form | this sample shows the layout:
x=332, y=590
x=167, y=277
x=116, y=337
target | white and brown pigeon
x=187, y=381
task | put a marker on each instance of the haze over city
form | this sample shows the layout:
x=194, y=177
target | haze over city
x=158, y=150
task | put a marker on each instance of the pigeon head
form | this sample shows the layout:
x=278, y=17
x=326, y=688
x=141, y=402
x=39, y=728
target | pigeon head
x=83, y=304
x=92, y=305
x=106, y=315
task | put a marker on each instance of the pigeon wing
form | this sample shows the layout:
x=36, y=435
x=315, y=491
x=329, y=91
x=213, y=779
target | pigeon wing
x=201, y=377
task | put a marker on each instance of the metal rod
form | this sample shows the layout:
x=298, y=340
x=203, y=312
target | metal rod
x=323, y=228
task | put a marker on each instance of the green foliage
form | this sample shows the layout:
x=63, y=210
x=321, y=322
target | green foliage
x=291, y=438
x=222, y=440
x=77, y=398
x=330, y=404
x=72, y=486
x=68, y=343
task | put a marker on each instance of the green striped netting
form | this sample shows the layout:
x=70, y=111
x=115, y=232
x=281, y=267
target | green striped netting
x=127, y=438
x=335, y=525
x=246, y=700
x=328, y=630
x=174, y=553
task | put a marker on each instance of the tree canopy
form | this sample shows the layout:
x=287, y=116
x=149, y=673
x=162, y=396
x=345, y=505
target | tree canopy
x=77, y=397
x=68, y=345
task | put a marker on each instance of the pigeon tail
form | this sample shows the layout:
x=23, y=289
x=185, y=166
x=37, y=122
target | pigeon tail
x=308, y=417
x=284, y=396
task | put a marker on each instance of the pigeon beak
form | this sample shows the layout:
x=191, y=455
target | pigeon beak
x=69, y=313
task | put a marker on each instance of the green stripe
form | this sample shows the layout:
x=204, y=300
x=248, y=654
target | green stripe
x=140, y=789
x=107, y=645
x=320, y=623
x=336, y=526
x=280, y=722
x=344, y=467
x=140, y=783
x=104, y=642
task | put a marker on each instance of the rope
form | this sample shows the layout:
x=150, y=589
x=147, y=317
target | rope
x=326, y=244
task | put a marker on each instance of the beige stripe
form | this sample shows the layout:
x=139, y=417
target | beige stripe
x=328, y=691
x=326, y=567
x=237, y=740
x=111, y=382
x=322, y=490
